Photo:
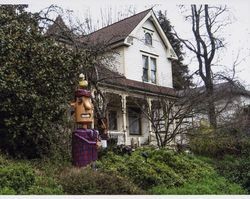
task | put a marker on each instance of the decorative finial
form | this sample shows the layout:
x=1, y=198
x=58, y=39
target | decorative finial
x=82, y=82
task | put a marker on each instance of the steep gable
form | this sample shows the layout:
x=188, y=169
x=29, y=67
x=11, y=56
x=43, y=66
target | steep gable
x=151, y=16
x=117, y=31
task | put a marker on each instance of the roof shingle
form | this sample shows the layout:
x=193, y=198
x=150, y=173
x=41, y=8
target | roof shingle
x=117, y=31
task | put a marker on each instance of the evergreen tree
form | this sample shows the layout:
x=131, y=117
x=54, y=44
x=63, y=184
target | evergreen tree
x=37, y=78
x=181, y=78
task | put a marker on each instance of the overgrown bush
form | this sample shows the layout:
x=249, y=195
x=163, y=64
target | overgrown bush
x=236, y=169
x=22, y=178
x=17, y=177
x=220, y=142
x=44, y=186
x=7, y=191
x=87, y=181
x=207, y=185
x=164, y=171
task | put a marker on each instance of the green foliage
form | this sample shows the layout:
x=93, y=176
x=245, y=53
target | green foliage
x=167, y=172
x=181, y=79
x=87, y=181
x=18, y=177
x=220, y=142
x=207, y=185
x=236, y=169
x=7, y=191
x=36, y=83
x=44, y=186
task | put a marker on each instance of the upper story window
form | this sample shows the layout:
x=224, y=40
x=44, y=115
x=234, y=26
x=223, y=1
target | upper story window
x=153, y=69
x=148, y=39
x=145, y=68
x=149, y=69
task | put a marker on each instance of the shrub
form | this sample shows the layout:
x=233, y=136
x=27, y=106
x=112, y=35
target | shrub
x=162, y=167
x=7, y=191
x=167, y=172
x=220, y=142
x=87, y=181
x=22, y=178
x=18, y=177
x=236, y=169
x=208, y=185
x=44, y=186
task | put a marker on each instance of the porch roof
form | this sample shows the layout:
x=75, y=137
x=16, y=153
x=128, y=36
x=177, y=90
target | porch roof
x=118, y=81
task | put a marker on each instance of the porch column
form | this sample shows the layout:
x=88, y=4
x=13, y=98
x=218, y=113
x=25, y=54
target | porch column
x=124, y=116
x=149, y=101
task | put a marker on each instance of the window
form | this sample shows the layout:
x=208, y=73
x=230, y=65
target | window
x=153, y=70
x=149, y=67
x=148, y=39
x=134, y=120
x=112, y=120
x=145, y=68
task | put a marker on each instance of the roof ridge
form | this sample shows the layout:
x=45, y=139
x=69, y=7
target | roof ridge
x=118, y=22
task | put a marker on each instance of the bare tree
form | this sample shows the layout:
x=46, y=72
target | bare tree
x=207, y=22
x=170, y=118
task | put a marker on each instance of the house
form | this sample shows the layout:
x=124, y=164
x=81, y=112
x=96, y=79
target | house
x=143, y=62
x=230, y=98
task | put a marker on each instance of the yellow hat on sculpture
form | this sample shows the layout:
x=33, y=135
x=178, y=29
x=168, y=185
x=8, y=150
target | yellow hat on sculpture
x=82, y=82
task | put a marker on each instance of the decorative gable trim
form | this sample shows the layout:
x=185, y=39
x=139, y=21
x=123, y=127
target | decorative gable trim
x=170, y=51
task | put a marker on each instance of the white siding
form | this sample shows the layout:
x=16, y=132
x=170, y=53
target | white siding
x=118, y=61
x=133, y=57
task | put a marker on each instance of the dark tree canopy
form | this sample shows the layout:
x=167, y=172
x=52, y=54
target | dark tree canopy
x=37, y=78
x=181, y=78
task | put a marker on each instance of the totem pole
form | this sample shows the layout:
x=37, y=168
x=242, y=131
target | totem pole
x=84, y=139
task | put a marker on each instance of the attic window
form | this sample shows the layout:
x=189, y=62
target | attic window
x=148, y=39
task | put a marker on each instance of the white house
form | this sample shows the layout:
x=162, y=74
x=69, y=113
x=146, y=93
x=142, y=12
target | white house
x=143, y=61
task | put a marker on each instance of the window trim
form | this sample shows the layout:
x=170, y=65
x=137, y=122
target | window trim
x=148, y=39
x=149, y=68
x=116, y=120
x=153, y=71
x=139, y=119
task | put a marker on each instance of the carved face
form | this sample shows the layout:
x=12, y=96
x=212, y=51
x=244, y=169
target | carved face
x=84, y=110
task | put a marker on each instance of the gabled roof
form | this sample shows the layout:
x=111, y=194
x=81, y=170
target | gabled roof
x=58, y=27
x=117, y=31
x=59, y=30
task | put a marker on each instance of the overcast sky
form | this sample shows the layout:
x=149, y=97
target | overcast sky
x=237, y=34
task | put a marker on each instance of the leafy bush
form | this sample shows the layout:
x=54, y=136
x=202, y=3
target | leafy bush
x=208, y=185
x=220, y=142
x=22, y=178
x=17, y=177
x=167, y=172
x=7, y=191
x=44, y=186
x=236, y=169
x=87, y=181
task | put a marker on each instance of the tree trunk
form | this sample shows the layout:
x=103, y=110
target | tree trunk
x=211, y=105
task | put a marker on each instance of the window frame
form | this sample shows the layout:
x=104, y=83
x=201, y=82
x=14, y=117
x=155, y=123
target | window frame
x=136, y=112
x=149, y=69
x=153, y=71
x=116, y=121
x=148, y=39
x=145, y=68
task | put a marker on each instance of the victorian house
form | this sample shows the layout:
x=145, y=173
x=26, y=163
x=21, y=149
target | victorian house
x=143, y=63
